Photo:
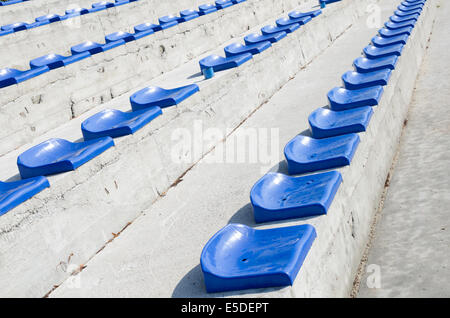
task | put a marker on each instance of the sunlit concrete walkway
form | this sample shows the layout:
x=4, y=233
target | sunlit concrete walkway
x=409, y=256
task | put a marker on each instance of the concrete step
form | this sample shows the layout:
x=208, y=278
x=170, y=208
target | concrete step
x=76, y=216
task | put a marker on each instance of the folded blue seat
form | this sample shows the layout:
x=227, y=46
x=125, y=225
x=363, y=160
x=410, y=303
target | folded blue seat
x=279, y=197
x=167, y=21
x=270, y=29
x=365, y=65
x=341, y=98
x=14, y=193
x=412, y=4
x=238, y=1
x=238, y=48
x=222, y=4
x=118, y=3
x=6, y=32
x=117, y=36
x=98, y=6
x=407, y=14
x=15, y=27
x=356, y=80
x=399, y=25
x=146, y=27
x=254, y=38
x=11, y=76
x=9, y=2
x=386, y=33
x=53, y=61
x=114, y=123
x=187, y=15
x=207, y=9
x=374, y=52
x=379, y=41
x=282, y=22
x=397, y=19
x=325, y=122
x=59, y=155
x=50, y=18
x=157, y=96
x=239, y=257
x=220, y=63
x=305, y=154
x=76, y=11
x=299, y=14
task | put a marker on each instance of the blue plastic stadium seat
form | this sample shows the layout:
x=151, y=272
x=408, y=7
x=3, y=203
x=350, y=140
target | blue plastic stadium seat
x=15, y=27
x=299, y=14
x=238, y=48
x=395, y=26
x=282, y=22
x=220, y=63
x=383, y=42
x=187, y=15
x=398, y=19
x=117, y=36
x=6, y=32
x=207, y=9
x=50, y=18
x=325, y=122
x=279, y=197
x=11, y=76
x=270, y=29
x=305, y=154
x=114, y=123
x=222, y=4
x=365, y=65
x=407, y=14
x=59, y=155
x=157, y=96
x=356, y=80
x=238, y=1
x=10, y=2
x=329, y=1
x=14, y=193
x=410, y=8
x=413, y=3
x=341, y=98
x=386, y=33
x=103, y=5
x=121, y=2
x=374, y=52
x=239, y=257
x=53, y=61
x=254, y=38
x=76, y=11
x=167, y=21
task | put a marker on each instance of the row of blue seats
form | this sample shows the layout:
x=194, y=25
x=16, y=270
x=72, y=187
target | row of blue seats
x=237, y=54
x=43, y=64
x=239, y=257
x=50, y=18
x=10, y=2
x=59, y=155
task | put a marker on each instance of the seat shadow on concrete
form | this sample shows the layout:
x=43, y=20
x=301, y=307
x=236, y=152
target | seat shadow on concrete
x=192, y=285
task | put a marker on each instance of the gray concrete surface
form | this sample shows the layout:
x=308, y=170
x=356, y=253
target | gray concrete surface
x=158, y=254
x=409, y=256
x=68, y=223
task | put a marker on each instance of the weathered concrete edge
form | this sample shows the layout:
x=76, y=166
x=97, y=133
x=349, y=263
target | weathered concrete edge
x=56, y=228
